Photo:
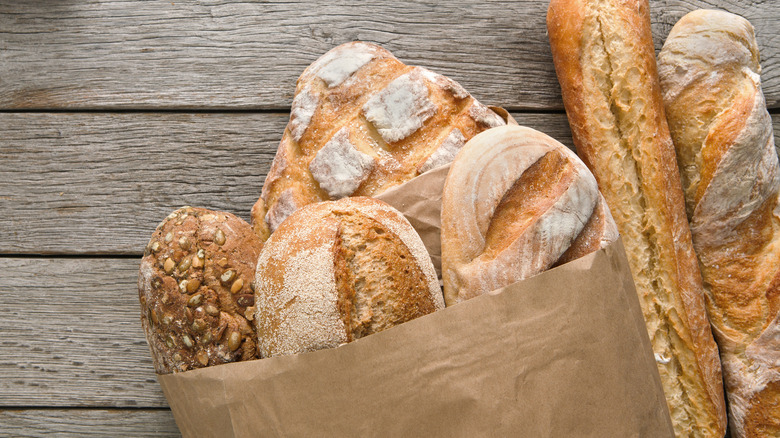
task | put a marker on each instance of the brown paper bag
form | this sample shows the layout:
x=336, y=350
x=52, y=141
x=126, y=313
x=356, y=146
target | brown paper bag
x=562, y=354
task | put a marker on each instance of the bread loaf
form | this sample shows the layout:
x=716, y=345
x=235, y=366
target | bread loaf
x=195, y=290
x=361, y=122
x=516, y=202
x=605, y=62
x=337, y=271
x=709, y=71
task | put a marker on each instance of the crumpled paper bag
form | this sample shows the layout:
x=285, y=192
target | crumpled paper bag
x=562, y=354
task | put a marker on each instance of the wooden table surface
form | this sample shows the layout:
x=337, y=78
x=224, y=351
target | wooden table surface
x=113, y=113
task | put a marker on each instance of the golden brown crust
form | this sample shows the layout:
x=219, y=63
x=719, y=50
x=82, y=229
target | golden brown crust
x=531, y=195
x=514, y=203
x=340, y=270
x=593, y=235
x=723, y=136
x=761, y=419
x=362, y=122
x=604, y=58
x=195, y=290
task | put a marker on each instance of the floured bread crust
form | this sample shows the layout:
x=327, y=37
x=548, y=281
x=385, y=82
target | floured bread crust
x=400, y=121
x=605, y=62
x=516, y=202
x=195, y=288
x=709, y=70
x=337, y=271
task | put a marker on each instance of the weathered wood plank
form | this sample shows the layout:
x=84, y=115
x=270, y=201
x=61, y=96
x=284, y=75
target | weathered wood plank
x=72, y=183
x=88, y=422
x=108, y=54
x=96, y=183
x=72, y=336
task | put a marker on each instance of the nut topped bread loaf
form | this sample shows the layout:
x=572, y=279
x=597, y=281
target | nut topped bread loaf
x=709, y=70
x=516, y=202
x=337, y=271
x=195, y=288
x=361, y=122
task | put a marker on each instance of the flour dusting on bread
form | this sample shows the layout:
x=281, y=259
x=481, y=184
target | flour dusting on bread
x=484, y=116
x=344, y=63
x=305, y=304
x=284, y=206
x=445, y=83
x=446, y=152
x=401, y=108
x=303, y=107
x=339, y=167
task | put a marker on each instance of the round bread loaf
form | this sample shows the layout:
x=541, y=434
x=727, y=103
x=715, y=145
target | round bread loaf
x=361, y=122
x=516, y=202
x=195, y=287
x=337, y=271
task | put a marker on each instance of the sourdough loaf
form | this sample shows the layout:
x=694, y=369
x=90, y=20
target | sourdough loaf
x=361, y=122
x=516, y=202
x=195, y=290
x=337, y=271
x=605, y=62
x=709, y=70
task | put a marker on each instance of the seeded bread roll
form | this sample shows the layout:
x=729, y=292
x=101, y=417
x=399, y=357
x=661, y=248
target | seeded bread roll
x=605, y=61
x=362, y=122
x=516, y=202
x=337, y=271
x=195, y=290
x=709, y=70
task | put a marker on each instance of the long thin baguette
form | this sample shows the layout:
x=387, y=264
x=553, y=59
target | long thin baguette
x=604, y=58
x=709, y=70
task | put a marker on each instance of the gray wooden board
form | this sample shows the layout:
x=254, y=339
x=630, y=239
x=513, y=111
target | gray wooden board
x=99, y=183
x=23, y=423
x=108, y=54
x=72, y=335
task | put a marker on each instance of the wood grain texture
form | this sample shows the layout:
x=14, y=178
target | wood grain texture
x=109, y=54
x=23, y=423
x=72, y=335
x=99, y=183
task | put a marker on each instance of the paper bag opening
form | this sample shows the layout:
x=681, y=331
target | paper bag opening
x=564, y=353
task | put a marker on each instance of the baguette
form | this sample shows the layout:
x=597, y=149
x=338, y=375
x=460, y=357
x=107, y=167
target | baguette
x=516, y=202
x=605, y=62
x=709, y=70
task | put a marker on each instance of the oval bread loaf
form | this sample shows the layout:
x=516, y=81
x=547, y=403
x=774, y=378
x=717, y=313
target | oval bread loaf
x=337, y=271
x=709, y=70
x=516, y=202
x=195, y=290
x=362, y=122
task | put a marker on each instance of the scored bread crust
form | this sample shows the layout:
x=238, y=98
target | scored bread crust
x=195, y=290
x=362, y=122
x=605, y=62
x=516, y=202
x=337, y=271
x=709, y=70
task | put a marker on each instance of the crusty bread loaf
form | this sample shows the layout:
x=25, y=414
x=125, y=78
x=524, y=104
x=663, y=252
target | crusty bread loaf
x=516, y=202
x=195, y=290
x=709, y=71
x=336, y=271
x=361, y=122
x=605, y=62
